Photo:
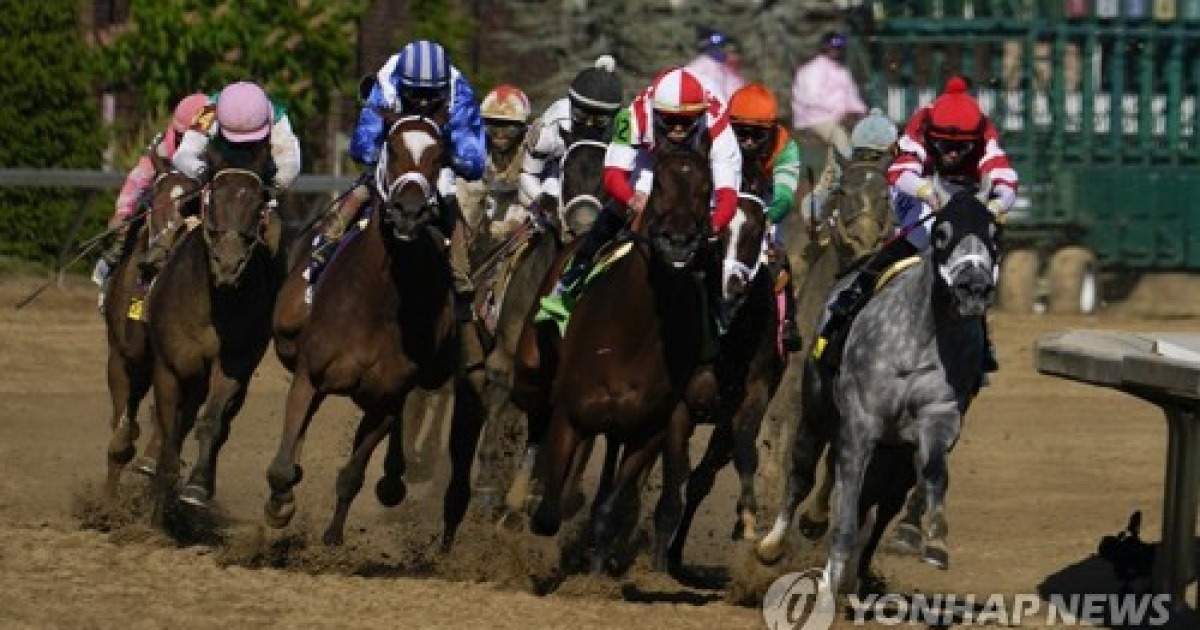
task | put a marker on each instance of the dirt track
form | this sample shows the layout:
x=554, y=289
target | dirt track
x=1044, y=469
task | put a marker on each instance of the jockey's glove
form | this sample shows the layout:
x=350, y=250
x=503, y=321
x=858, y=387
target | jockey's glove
x=998, y=210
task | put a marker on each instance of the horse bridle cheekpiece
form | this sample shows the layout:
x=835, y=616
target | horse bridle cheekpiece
x=209, y=230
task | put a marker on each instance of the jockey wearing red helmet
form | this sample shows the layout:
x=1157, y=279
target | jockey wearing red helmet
x=953, y=139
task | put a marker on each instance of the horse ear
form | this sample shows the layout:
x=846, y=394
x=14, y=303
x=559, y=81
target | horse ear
x=159, y=162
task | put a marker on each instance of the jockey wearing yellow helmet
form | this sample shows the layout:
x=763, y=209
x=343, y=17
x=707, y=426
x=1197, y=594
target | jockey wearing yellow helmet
x=754, y=116
x=505, y=112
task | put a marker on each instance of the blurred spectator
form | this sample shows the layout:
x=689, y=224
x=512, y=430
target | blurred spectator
x=718, y=63
x=825, y=99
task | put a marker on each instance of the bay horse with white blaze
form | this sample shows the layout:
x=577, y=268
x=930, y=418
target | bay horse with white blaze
x=382, y=323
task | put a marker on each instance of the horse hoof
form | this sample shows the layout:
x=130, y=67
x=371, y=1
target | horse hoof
x=511, y=523
x=768, y=553
x=487, y=499
x=146, y=465
x=195, y=496
x=812, y=529
x=390, y=491
x=332, y=538
x=122, y=456
x=937, y=556
x=907, y=540
x=279, y=512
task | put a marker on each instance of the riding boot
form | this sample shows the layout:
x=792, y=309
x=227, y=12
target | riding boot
x=855, y=295
x=790, y=335
x=608, y=224
x=343, y=215
x=711, y=276
x=460, y=266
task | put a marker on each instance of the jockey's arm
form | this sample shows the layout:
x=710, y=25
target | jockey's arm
x=285, y=149
x=189, y=157
x=785, y=176
x=542, y=145
x=367, y=138
x=137, y=181
x=725, y=159
x=468, y=152
x=620, y=160
x=996, y=169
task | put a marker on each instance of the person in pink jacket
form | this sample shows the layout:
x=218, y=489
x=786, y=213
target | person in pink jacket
x=718, y=63
x=825, y=99
x=137, y=182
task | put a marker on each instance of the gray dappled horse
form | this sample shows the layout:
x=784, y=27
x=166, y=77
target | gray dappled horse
x=913, y=362
x=856, y=218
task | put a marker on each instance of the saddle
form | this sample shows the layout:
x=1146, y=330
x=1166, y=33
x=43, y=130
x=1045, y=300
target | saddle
x=828, y=350
x=557, y=308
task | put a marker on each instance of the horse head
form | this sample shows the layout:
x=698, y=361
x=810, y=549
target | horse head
x=582, y=186
x=743, y=242
x=864, y=213
x=406, y=175
x=233, y=221
x=169, y=194
x=677, y=217
x=965, y=252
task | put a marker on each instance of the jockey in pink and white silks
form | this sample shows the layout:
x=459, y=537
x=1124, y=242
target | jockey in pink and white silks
x=586, y=113
x=678, y=108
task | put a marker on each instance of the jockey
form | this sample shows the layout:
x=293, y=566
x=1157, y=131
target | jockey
x=754, y=115
x=138, y=181
x=678, y=108
x=236, y=121
x=419, y=80
x=586, y=113
x=505, y=120
x=954, y=141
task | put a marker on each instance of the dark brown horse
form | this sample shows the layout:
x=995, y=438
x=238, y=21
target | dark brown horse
x=749, y=365
x=382, y=323
x=582, y=174
x=630, y=361
x=130, y=357
x=210, y=315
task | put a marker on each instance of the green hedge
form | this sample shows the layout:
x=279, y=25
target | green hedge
x=48, y=118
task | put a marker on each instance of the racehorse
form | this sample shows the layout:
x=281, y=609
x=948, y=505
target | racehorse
x=749, y=364
x=382, y=323
x=913, y=362
x=210, y=313
x=858, y=216
x=631, y=357
x=130, y=357
x=582, y=173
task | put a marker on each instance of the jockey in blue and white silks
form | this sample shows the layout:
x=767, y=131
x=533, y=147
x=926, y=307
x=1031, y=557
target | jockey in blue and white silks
x=419, y=80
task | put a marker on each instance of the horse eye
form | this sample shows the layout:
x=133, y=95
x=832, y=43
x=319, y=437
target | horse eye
x=942, y=235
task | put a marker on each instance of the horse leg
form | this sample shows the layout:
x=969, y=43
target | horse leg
x=814, y=522
x=891, y=476
x=637, y=455
x=284, y=473
x=176, y=403
x=225, y=399
x=675, y=473
x=806, y=454
x=561, y=444
x=390, y=490
x=935, y=478
x=699, y=484
x=908, y=539
x=499, y=436
x=465, y=427
x=127, y=388
x=373, y=427
x=147, y=463
x=746, y=424
x=853, y=455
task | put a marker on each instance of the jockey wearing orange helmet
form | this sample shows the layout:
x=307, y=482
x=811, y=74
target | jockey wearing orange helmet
x=754, y=115
x=137, y=182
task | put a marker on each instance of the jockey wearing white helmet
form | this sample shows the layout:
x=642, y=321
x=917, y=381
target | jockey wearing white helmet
x=586, y=113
